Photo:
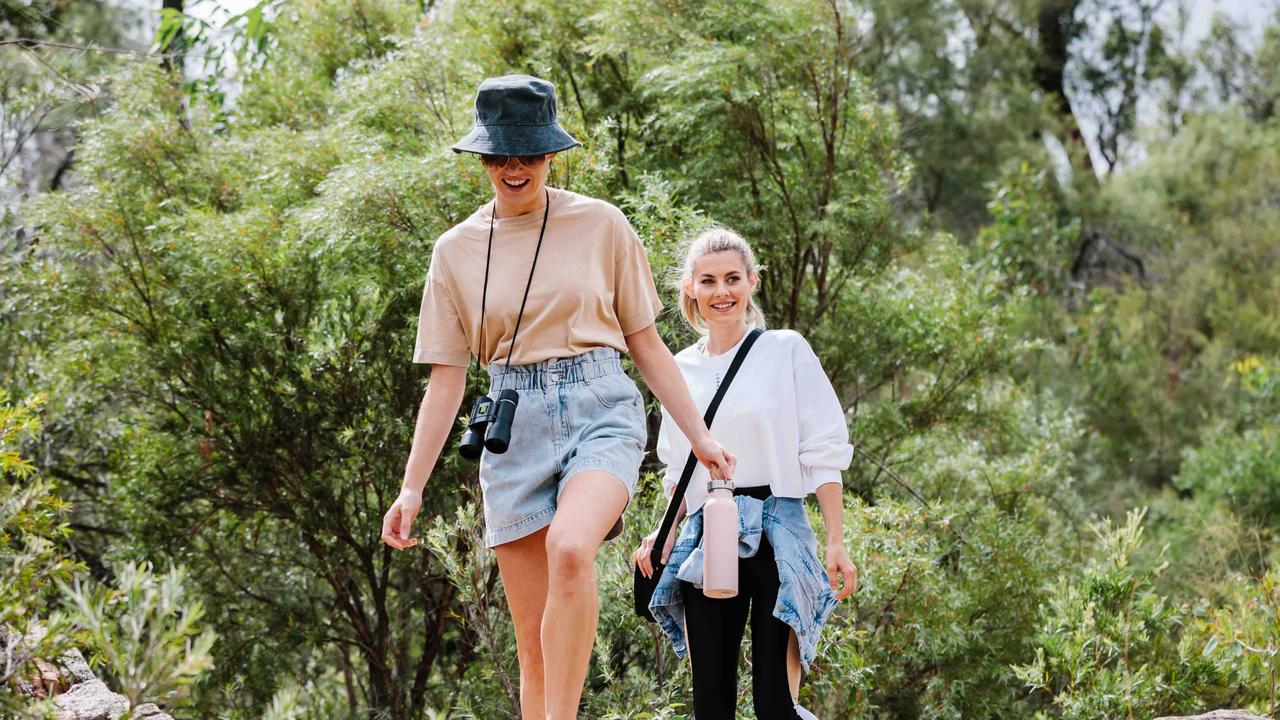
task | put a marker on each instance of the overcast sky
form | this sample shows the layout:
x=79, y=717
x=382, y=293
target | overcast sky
x=1252, y=12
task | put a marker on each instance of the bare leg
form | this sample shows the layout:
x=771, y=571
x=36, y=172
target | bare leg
x=793, y=666
x=589, y=504
x=523, y=566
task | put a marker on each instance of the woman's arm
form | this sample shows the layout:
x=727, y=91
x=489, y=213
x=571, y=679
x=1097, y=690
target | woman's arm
x=839, y=567
x=658, y=368
x=435, y=420
x=824, y=452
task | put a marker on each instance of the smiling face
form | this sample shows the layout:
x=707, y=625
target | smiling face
x=722, y=286
x=519, y=186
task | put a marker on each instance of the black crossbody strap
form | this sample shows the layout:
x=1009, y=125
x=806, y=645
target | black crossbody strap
x=669, y=519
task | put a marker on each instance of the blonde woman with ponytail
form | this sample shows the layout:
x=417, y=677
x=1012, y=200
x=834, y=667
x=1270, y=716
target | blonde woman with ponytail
x=782, y=421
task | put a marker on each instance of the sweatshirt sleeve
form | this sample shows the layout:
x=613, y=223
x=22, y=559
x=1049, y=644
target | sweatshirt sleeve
x=825, y=450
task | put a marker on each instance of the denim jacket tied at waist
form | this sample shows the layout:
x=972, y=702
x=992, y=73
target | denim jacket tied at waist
x=805, y=600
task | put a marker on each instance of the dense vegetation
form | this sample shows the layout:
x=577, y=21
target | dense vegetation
x=1062, y=369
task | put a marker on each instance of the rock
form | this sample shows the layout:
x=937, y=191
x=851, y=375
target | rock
x=1217, y=715
x=41, y=679
x=27, y=690
x=150, y=711
x=48, y=679
x=77, y=669
x=90, y=701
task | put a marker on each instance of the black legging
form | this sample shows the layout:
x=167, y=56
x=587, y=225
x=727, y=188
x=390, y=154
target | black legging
x=714, y=629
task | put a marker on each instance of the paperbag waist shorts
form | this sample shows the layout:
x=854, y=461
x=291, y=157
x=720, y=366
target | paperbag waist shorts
x=575, y=414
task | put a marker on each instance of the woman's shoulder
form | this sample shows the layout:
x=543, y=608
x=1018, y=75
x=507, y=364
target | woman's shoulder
x=783, y=338
x=474, y=226
x=786, y=341
x=570, y=202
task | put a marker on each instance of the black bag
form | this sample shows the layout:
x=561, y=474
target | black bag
x=642, y=586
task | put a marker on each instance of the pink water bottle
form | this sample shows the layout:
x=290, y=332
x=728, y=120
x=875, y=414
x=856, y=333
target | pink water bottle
x=720, y=541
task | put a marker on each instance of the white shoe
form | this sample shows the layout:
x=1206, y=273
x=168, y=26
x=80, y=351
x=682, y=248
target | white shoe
x=805, y=714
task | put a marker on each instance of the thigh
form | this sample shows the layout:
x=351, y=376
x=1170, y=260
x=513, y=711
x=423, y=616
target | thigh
x=522, y=564
x=714, y=629
x=589, y=504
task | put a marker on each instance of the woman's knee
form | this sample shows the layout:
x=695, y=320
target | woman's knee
x=570, y=557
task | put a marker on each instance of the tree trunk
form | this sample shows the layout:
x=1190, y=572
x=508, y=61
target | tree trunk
x=1057, y=28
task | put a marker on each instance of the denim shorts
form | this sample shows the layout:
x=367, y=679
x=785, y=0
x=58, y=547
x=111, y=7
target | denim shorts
x=575, y=414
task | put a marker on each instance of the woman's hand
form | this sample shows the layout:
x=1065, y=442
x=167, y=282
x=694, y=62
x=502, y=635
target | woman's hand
x=841, y=570
x=640, y=558
x=720, y=463
x=396, y=523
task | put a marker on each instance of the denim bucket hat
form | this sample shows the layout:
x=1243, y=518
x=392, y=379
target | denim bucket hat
x=516, y=115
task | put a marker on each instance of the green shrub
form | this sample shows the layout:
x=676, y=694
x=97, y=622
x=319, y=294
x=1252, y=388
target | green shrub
x=1243, y=636
x=33, y=555
x=1238, y=462
x=144, y=631
x=1109, y=645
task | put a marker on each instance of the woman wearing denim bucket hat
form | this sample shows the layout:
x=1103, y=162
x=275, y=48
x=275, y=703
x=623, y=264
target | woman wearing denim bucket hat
x=545, y=287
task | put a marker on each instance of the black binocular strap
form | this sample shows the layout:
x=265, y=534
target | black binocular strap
x=484, y=290
x=669, y=519
x=546, y=212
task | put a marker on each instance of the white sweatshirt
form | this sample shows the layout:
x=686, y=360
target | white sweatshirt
x=780, y=418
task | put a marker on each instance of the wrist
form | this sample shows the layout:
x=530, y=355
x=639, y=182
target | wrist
x=835, y=542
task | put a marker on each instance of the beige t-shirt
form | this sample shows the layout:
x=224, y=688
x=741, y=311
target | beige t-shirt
x=591, y=287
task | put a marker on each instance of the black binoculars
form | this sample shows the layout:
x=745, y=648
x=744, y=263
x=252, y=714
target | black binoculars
x=489, y=427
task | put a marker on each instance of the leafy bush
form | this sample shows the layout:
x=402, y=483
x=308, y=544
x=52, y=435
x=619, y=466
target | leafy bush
x=1240, y=467
x=1147, y=360
x=144, y=630
x=1243, y=636
x=33, y=556
x=950, y=585
x=1108, y=645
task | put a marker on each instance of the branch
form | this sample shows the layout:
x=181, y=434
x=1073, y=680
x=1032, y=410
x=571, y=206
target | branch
x=34, y=42
x=898, y=479
x=892, y=475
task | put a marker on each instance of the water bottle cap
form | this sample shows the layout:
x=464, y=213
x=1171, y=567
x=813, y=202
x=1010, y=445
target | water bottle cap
x=719, y=485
